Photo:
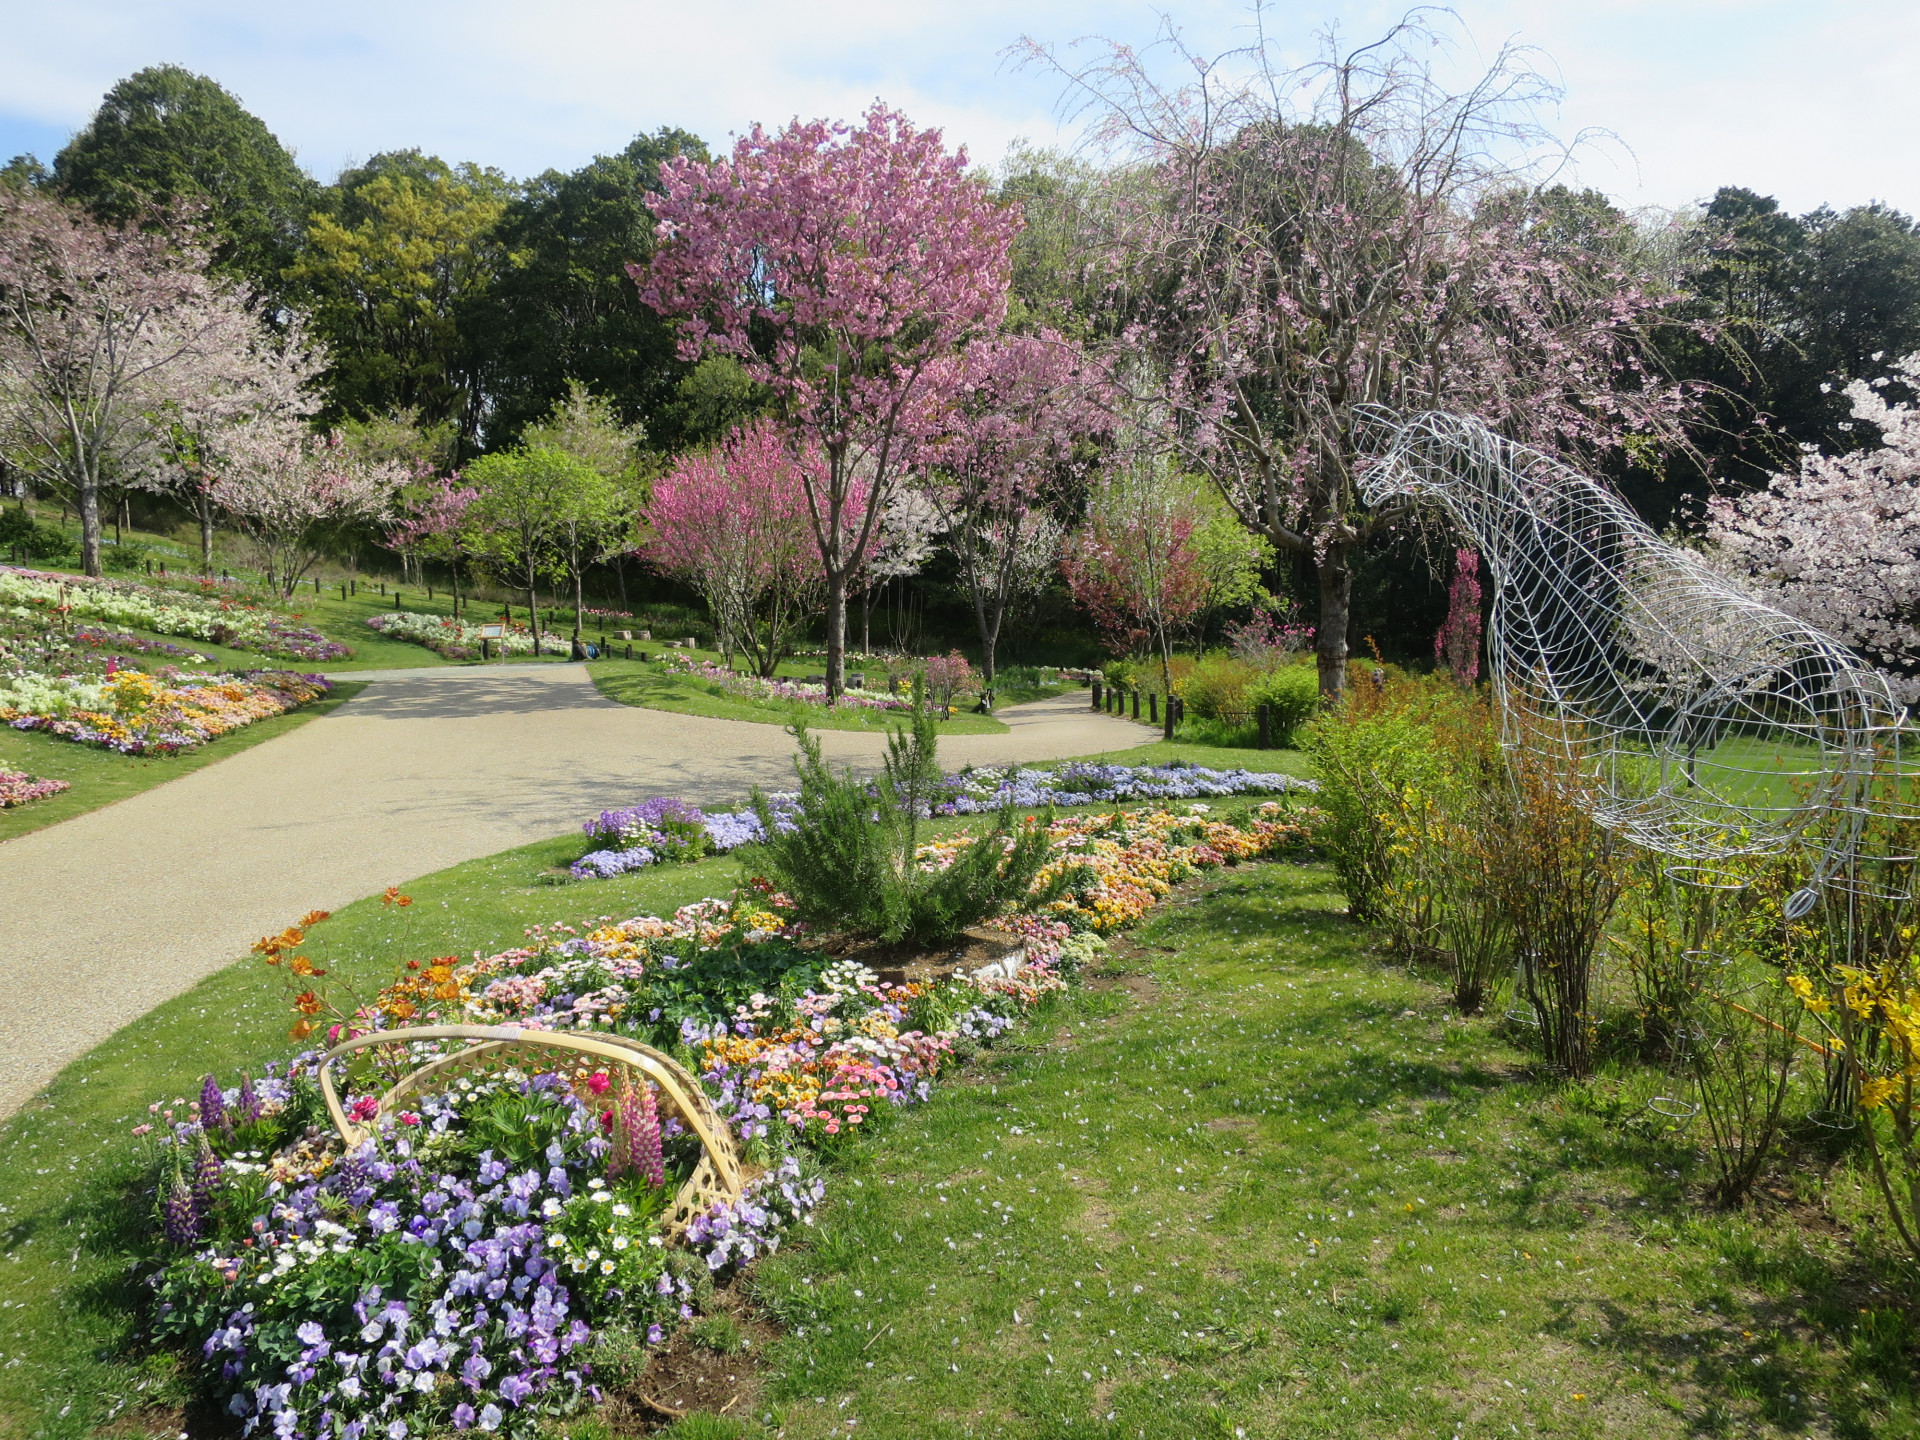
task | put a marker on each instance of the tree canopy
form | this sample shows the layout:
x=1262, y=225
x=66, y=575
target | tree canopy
x=165, y=137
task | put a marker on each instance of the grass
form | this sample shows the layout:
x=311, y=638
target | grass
x=1269, y=1187
x=1214, y=757
x=653, y=687
x=102, y=777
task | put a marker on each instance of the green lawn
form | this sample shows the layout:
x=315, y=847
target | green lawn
x=1214, y=757
x=653, y=687
x=1267, y=1186
x=100, y=777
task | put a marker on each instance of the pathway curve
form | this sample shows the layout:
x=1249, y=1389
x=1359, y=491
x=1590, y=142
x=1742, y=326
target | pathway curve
x=104, y=916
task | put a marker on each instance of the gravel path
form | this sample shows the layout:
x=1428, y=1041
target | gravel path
x=104, y=916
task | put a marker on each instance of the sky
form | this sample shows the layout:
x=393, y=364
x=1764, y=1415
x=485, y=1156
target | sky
x=1813, y=103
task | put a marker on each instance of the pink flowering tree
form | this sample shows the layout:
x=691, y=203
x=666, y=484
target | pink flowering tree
x=1294, y=242
x=732, y=522
x=291, y=489
x=1018, y=406
x=1457, y=646
x=432, y=519
x=1837, y=542
x=839, y=265
x=1138, y=566
x=105, y=334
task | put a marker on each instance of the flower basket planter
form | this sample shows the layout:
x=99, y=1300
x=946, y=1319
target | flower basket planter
x=717, y=1179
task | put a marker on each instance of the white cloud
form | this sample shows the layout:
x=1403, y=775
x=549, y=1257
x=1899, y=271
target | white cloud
x=1811, y=102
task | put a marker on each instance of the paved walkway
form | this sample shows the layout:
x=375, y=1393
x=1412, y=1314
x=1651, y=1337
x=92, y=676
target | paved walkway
x=104, y=916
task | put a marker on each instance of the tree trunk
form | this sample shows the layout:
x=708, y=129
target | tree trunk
x=579, y=594
x=866, y=621
x=620, y=570
x=1335, y=574
x=533, y=613
x=203, y=507
x=836, y=635
x=89, y=498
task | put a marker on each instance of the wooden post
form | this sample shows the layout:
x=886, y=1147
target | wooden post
x=1096, y=695
x=1265, y=716
x=1136, y=704
x=343, y=592
x=1153, y=706
x=486, y=648
x=629, y=652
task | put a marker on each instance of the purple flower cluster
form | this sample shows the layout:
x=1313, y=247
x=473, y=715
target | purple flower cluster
x=484, y=1327
x=637, y=822
x=119, y=640
x=734, y=1234
x=1083, y=783
x=300, y=642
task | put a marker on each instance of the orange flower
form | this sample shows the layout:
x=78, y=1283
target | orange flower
x=314, y=917
x=301, y=965
x=301, y=1030
x=400, y=1009
x=307, y=1003
x=392, y=896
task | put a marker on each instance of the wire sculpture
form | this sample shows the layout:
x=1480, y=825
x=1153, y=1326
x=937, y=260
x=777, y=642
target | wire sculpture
x=1703, y=724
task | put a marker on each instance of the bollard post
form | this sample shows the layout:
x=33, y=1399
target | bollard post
x=629, y=652
x=1136, y=704
x=1166, y=732
x=1153, y=706
x=1265, y=715
x=1096, y=695
x=397, y=604
x=486, y=648
x=343, y=592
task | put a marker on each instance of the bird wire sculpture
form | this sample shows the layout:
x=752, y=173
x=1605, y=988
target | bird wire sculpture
x=1701, y=723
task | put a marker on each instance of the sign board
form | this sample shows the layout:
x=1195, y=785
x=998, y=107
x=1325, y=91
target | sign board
x=493, y=632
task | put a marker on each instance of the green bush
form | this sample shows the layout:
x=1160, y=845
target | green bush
x=1216, y=688
x=20, y=533
x=847, y=859
x=1292, y=697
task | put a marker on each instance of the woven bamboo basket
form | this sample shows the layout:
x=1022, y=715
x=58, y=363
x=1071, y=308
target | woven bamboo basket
x=718, y=1178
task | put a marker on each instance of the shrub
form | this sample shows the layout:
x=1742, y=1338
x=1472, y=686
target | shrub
x=1292, y=697
x=21, y=534
x=849, y=856
x=1216, y=688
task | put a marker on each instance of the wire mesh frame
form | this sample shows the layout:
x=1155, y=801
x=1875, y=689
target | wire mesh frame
x=1702, y=723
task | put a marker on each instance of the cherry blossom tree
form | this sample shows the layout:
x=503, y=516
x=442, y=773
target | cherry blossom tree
x=1136, y=566
x=732, y=522
x=1837, y=542
x=838, y=265
x=1287, y=243
x=289, y=488
x=1457, y=645
x=274, y=378
x=910, y=527
x=104, y=333
x=1019, y=404
x=432, y=520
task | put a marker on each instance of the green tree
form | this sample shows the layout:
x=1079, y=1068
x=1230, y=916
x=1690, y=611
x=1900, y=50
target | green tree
x=404, y=248
x=524, y=496
x=563, y=309
x=165, y=137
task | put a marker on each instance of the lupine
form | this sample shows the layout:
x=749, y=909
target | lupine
x=213, y=1106
x=206, y=1177
x=248, y=1103
x=179, y=1216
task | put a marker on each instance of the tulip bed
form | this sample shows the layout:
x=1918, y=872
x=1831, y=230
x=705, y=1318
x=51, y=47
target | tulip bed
x=206, y=614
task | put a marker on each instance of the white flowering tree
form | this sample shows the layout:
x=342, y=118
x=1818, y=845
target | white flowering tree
x=1837, y=542
x=104, y=334
x=290, y=489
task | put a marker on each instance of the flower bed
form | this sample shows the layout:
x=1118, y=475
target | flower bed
x=19, y=788
x=752, y=687
x=973, y=792
x=629, y=839
x=234, y=622
x=462, y=1266
x=140, y=714
x=95, y=638
x=459, y=1266
x=458, y=639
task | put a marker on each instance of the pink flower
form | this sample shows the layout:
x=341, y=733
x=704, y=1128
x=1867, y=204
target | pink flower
x=598, y=1082
x=365, y=1108
x=141, y=1129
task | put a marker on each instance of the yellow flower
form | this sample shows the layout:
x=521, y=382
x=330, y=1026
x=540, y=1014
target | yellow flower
x=1876, y=1092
